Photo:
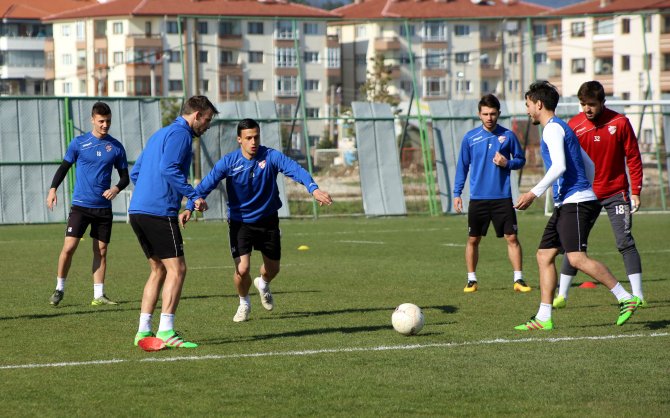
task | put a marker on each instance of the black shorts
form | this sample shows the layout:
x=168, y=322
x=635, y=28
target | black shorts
x=263, y=236
x=569, y=226
x=81, y=217
x=499, y=211
x=159, y=236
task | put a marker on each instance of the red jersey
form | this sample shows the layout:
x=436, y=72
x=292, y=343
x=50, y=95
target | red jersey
x=609, y=142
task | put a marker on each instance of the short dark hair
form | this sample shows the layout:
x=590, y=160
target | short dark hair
x=100, y=108
x=544, y=92
x=489, y=100
x=591, y=90
x=197, y=104
x=247, y=124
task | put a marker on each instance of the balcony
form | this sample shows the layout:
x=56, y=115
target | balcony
x=665, y=80
x=603, y=48
x=664, y=42
x=142, y=41
x=231, y=42
x=332, y=41
x=490, y=71
x=554, y=51
x=490, y=42
x=22, y=43
x=286, y=72
x=387, y=44
x=231, y=70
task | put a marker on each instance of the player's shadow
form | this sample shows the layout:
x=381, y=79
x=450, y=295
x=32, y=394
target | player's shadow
x=656, y=325
x=303, y=314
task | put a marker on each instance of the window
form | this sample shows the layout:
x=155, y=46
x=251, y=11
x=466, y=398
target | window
x=285, y=57
x=311, y=57
x=647, y=60
x=625, y=25
x=555, y=68
x=311, y=28
x=117, y=28
x=81, y=58
x=577, y=30
x=173, y=56
x=410, y=29
x=666, y=24
x=255, y=28
x=80, y=28
x=100, y=57
x=229, y=28
x=256, y=85
x=485, y=86
x=65, y=32
x=540, y=58
x=255, y=57
x=284, y=30
x=227, y=58
x=625, y=95
x=462, y=30
x=231, y=85
x=513, y=57
x=555, y=33
x=333, y=58
x=312, y=112
x=406, y=86
x=434, y=86
x=287, y=86
x=118, y=86
x=100, y=28
x=435, y=31
x=67, y=88
x=435, y=58
x=539, y=30
x=82, y=86
x=603, y=66
x=463, y=86
x=361, y=31
x=647, y=23
x=203, y=56
x=666, y=62
x=513, y=85
x=203, y=28
x=360, y=60
x=118, y=58
x=204, y=85
x=285, y=110
x=462, y=57
x=139, y=86
x=67, y=59
x=604, y=27
x=171, y=26
x=625, y=63
x=405, y=58
x=578, y=65
x=175, y=85
x=312, y=85
x=147, y=29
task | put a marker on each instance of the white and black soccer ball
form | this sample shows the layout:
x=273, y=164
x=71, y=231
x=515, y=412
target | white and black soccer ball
x=407, y=319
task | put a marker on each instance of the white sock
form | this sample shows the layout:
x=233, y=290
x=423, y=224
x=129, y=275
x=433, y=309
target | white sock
x=98, y=290
x=145, y=322
x=262, y=283
x=564, y=285
x=518, y=275
x=167, y=322
x=544, y=313
x=620, y=293
x=245, y=300
x=636, y=284
x=472, y=277
x=60, y=283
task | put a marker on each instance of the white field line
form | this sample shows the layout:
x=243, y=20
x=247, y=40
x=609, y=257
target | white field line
x=335, y=350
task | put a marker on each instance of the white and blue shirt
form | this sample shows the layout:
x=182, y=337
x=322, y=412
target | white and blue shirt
x=487, y=180
x=95, y=158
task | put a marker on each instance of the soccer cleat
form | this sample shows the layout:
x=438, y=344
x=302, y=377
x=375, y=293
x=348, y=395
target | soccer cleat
x=103, y=300
x=266, y=296
x=627, y=308
x=559, y=302
x=174, y=340
x=521, y=286
x=535, y=324
x=242, y=313
x=56, y=297
x=141, y=335
x=470, y=287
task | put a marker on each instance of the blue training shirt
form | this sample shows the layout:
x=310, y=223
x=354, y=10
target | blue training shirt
x=251, y=185
x=487, y=180
x=574, y=179
x=95, y=158
x=160, y=174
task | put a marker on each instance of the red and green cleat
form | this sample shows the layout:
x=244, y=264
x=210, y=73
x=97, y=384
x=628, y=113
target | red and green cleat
x=536, y=325
x=141, y=335
x=626, y=309
x=174, y=340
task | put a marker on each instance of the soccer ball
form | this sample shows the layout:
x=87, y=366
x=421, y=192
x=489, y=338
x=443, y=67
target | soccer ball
x=407, y=319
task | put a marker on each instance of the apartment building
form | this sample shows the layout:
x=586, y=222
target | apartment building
x=452, y=49
x=22, y=39
x=624, y=44
x=225, y=49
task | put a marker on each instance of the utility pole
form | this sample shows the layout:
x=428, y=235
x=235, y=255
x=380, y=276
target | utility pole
x=331, y=114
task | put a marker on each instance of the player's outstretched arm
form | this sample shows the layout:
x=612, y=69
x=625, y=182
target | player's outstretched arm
x=322, y=197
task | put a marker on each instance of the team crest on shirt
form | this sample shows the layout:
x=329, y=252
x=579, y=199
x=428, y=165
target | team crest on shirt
x=501, y=138
x=108, y=148
x=611, y=129
x=262, y=164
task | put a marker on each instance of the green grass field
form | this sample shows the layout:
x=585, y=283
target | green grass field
x=328, y=348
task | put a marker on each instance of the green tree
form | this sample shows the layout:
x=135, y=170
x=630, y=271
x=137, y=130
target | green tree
x=376, y=87
x=170, y=109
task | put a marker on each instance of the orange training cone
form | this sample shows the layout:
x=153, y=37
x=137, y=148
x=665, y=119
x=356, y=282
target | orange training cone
x=588, y=285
